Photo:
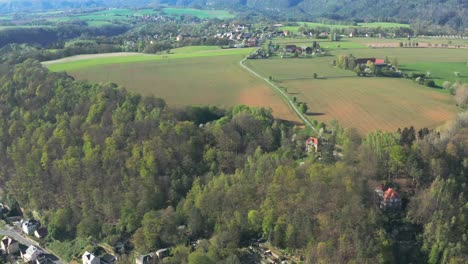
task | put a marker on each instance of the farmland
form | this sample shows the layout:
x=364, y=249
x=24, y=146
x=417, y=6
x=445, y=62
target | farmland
x=184, y=78
x=367, y=103
x=343, y=26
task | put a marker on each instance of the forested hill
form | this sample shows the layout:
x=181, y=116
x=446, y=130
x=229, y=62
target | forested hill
x=453, y=13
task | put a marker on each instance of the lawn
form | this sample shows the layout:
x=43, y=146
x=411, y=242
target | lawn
x=202, y=77
x=343, y=44
x=200, y=13
x=440, y=71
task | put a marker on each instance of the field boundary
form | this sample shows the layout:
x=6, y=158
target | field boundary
x=283, y=94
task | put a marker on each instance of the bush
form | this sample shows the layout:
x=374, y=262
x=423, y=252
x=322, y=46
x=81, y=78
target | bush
x=429, y=83
x=446, y=85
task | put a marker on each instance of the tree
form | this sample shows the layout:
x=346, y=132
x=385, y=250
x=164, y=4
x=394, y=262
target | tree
x=303, y=108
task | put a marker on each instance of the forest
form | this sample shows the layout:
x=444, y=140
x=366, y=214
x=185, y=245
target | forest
x=450, y=13
x=96, y=162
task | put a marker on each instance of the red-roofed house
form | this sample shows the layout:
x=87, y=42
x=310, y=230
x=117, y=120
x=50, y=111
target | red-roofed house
x=391, y=200
x=380, y=62
x=312, y=144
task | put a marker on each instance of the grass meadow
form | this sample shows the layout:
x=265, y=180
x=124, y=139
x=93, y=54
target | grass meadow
x=221, y=14
x=338, y=26
x=188, y=77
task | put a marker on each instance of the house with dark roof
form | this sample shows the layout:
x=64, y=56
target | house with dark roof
x=9, y=245
x=107, y=259
x=290, y=48
x=146, y=259
x=41, y=232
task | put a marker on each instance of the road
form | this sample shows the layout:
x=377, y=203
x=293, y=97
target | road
x=13, y=233
x=285, y=96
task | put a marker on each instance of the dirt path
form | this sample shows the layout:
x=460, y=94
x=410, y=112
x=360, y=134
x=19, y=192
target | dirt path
x=93, y=56
x=283, y=94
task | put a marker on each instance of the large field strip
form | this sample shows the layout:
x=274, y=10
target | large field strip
x=364, y=103
x=85, y=61
x=374, y=103
x=184, y=79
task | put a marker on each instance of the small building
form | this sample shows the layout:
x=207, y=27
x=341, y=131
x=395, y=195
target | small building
x=290, y=48
x=364, y=60
x=390, y=200
x=9, y=245
x=30, y=226
x=162, y=253
x=182, y=37
x=31, y=254
x=43, y=259
x=146, y=259
x=107, y=259
x=41, y=232
x=312, y=144
x=89, y=258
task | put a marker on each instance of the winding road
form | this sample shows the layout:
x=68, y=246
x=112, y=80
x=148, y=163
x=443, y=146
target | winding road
x=18, y=236
x=285, y=96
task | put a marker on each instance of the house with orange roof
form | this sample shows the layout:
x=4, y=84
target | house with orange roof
x=312, y=144
x=391, y=200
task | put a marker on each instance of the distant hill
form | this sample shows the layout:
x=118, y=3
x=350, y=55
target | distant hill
x=453, y=13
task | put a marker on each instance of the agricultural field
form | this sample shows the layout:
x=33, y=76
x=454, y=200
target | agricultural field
x=371, y=103
x=363, y=103
x=187, y=77
x=338, y=26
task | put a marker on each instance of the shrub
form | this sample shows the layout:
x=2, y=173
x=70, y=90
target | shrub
x=429, y=83
x=446, y=85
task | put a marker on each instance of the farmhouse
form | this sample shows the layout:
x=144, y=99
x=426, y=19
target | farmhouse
x=312, y=144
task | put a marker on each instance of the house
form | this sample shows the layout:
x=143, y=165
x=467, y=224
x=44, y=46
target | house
x=146, y=259
x=107, y=259
x=43, y=259
x=31, y=254
x=9, y=245
x=29, y=226
x=162, y=253
x=89, y=258
x=40, y=232
x=364, y=60
x=353, y=34
x=380, y=63
x=182, y=37
x=290, y=48
x=312, y=144
x=391, y=200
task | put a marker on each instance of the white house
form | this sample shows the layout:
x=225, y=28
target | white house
x=29, y=226
x=31, y=254
x=89, y=258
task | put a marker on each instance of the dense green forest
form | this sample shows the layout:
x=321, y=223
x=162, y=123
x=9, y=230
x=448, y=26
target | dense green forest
x=452, y=13
x=97, y=162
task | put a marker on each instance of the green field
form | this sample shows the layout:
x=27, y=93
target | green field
x=183, y=53
x=191, y=76
x=106, y=17
x=344, y=44
x=200, y=13
x=441, y=71
x=338, y=26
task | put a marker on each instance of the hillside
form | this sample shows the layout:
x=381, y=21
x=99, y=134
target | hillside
x=453, y=13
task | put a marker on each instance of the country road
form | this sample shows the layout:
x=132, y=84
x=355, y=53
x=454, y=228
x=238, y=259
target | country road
x=16, y=235
x=285, y=96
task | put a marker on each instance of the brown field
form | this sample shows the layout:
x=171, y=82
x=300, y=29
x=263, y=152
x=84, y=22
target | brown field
x=373, y=103
x=217, y=80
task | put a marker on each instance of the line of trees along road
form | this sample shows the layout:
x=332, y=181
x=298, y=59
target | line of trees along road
x=97, y=161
